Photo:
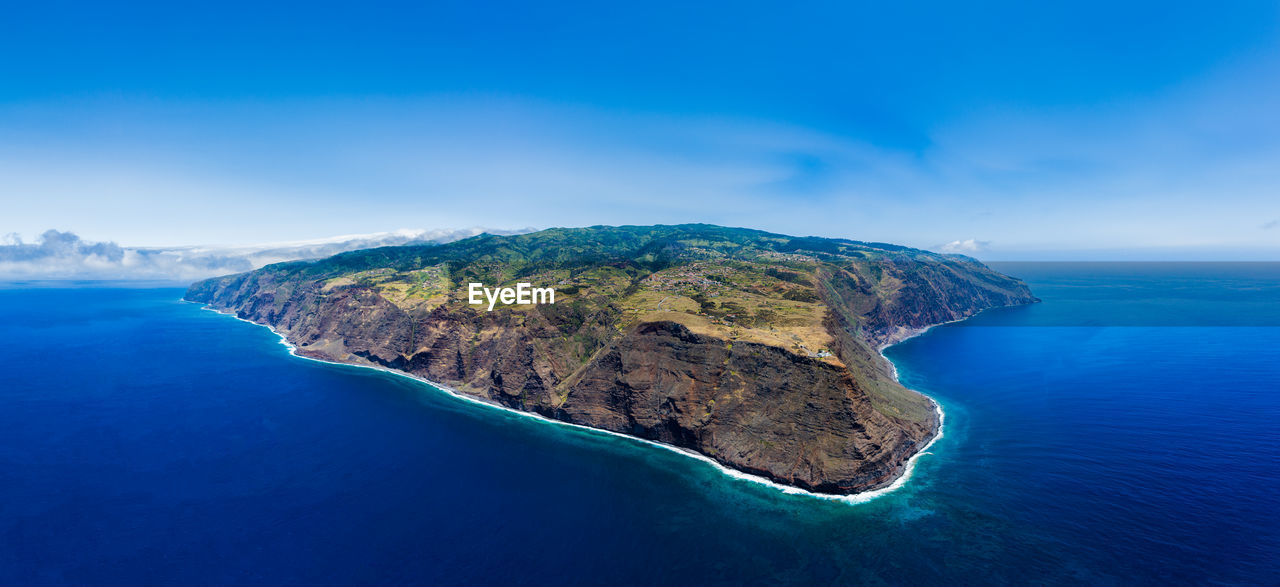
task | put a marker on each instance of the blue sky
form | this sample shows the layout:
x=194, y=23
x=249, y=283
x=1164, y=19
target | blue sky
x=1004, y=129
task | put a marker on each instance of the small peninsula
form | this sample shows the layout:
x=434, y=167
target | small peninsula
x=757, y=350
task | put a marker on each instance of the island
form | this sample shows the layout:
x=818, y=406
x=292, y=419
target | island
x=759, y=351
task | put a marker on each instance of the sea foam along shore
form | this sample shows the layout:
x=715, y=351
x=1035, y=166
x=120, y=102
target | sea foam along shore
x=854, y=498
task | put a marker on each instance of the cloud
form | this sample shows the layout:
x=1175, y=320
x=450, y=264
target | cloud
x=1270, y=225
x=64, y=255
x=965, y=247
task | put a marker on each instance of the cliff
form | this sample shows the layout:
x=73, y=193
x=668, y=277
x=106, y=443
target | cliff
x=755, y=349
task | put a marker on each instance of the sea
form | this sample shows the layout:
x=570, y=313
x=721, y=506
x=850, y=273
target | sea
x=1124, y=431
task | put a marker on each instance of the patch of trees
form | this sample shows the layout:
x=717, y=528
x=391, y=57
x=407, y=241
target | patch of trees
x=801, y=295
x=784, y=275
x=707, y=306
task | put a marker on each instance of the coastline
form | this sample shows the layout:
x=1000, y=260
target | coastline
x=853, y=499
x=899, y=337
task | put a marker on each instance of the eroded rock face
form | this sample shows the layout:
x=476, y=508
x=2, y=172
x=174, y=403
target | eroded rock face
x=757, y=408
x=824, y=425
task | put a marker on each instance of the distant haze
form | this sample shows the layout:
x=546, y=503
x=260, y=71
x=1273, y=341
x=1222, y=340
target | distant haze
x=64, y=255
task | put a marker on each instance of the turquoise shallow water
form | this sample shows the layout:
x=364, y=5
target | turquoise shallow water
x=1121, y=432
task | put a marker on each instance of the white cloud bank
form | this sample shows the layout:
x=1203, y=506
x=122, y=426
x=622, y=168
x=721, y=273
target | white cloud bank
x=64, y=255
x=965, y=247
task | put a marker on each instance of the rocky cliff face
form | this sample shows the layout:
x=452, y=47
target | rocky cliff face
x=758, y=408
x=627, y=349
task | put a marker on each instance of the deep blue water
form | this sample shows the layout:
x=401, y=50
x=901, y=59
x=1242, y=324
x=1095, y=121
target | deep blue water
x=1123, y=431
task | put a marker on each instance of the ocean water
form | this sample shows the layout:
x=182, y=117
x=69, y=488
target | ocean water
x=1125, y=431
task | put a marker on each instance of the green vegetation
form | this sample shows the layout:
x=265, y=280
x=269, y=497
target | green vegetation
x=829, y=300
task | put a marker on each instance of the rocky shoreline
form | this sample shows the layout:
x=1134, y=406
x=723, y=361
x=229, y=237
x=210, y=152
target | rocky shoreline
x=835, y=425
x=899, y=479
